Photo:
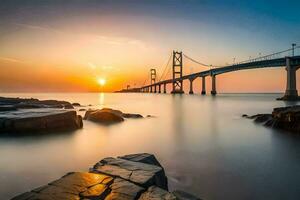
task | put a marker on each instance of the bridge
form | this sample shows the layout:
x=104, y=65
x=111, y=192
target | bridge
x=286, y=58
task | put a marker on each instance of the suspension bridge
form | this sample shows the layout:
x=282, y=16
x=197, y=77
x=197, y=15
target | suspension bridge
x=286, y=58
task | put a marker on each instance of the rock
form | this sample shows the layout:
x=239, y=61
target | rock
x=136, y=172
x=103, y=116
x=143, y=158
x=68, y=106
x=72, y=186
x=244, y=115
x=40, y=120
x=156, y=193
x=181, y=195
x=260, y=118
x=124, y=190
x=76, y=104
x=111, y=179
x=286, y=118
x=129, y=115
x=7, y=108
x=108, y=115
x=82, y=109
x=33, y=103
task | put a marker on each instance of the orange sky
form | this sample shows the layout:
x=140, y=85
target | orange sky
x=48, y=49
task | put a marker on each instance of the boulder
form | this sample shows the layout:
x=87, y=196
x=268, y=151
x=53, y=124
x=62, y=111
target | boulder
x=143, y=158
x=76, y=104
x=33, y=103
x=286, y=118
x=111, y=179
x=39, y=120
x=156, y=193
x=103, y=116
x=130, y=115
x=136, y=172
x=108, y=115
x=68, y=106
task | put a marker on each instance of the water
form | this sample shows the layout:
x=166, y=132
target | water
x=205, y=145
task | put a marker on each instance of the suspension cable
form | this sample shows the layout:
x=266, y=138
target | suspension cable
x=166, y=66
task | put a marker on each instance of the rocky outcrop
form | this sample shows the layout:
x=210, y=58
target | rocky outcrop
x=139, y=173
x=286, y=118
x=111, y=178
x=21, y=103
x=39, y=120
x=108, y=116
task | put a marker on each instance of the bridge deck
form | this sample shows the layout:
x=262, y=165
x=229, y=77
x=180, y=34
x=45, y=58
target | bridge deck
x=278, y=62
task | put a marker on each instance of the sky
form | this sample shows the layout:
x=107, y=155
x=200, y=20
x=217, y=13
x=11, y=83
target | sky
x=67, y=46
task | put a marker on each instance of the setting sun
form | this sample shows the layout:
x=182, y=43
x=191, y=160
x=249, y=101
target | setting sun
x=101, y=81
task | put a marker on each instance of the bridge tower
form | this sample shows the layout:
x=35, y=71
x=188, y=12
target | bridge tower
x=153, y=79
x=291, y=92
x=177, y=73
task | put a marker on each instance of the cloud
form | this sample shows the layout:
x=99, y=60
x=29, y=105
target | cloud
x=6, y=59
x=42, y=28
x=114, y=40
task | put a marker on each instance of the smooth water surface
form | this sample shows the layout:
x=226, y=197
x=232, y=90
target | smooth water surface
x=205, y=145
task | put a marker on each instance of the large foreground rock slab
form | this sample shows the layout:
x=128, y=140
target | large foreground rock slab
x=39, y=120
x=136, y=172
x=111, y=179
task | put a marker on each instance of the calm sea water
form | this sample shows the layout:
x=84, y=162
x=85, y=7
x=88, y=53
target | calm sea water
x=205, y=145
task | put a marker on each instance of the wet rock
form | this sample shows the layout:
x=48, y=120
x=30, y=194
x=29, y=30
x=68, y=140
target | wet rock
x=156, y=193
x=23, y=103
x=136, y=172
x=286, y=118
x=143, y=158
x=72, y=186
x=68, y=106
x=124, y=190
x=108, y=115
x=129, y=115
x=260, y=118
x=76, y=104
x=103, y=116
x=118, y=179
x=182, y=195
x=7, y=108
x=39, y=120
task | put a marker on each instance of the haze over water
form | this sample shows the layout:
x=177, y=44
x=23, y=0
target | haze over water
x=204, y=144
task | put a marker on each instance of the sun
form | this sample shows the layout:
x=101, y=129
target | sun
x=101, y=81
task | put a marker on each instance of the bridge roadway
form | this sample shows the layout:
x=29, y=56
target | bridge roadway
x=288, y=62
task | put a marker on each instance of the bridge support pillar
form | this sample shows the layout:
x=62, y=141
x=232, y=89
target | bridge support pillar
x=165, y=88
x=203, y=92
x=191, y=87
x=151, y=88
x=213, y=85
x=159, y=88
x=155, y=89
x=291, y=92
